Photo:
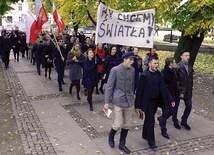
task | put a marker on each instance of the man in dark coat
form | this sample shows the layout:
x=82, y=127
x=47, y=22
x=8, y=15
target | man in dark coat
x=16, y=44
x=151, y=93
x=184, y=74
x=171, y=84
x=60, y=57
x=37, y=49
x=6, y=46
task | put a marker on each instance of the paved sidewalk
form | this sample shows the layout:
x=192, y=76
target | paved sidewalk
x=55, y=123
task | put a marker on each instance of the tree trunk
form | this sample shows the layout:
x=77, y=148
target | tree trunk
x=190, y=43
x=76, y=26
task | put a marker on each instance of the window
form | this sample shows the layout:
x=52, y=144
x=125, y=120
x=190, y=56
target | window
x=9, y=19
x=20, y=6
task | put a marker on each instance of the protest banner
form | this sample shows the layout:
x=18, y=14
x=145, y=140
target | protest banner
x=125, y=28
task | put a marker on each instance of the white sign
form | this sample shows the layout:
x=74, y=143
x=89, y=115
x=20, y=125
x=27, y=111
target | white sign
x=125, y=28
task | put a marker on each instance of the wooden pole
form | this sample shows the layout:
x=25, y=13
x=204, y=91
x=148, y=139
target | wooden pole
x=50, y=38
x=57, y=45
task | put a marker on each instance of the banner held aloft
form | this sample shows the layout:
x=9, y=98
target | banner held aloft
x=125, y=28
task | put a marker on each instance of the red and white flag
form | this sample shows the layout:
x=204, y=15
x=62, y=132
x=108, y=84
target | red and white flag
x=31, y=29
x=41, y=15
x=59, y=22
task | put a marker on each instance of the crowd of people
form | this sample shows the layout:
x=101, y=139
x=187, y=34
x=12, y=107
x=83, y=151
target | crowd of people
x=131, y=83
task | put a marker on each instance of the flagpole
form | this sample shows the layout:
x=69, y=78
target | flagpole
x=50, y=38
x=57, y=45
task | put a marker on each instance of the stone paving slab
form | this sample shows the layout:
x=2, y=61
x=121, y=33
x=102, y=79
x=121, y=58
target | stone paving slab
x=62, y=130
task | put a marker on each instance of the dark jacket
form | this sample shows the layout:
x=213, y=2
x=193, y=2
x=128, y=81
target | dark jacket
x=48, y=55
x=90, y=73
x=6, y=45
x=138, y=67
x=185, y=80
x=171, y=81
x=110, y=62
x=16, y=43
x=37, y=50
x=57, y=56
x=143, y=92
x=86, y=47
x=75, y=68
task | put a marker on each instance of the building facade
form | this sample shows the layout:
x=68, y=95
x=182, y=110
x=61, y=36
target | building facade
x=15, y=19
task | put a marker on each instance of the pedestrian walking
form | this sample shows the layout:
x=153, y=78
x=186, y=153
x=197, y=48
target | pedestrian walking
x=6, y=46
x=90, y=74
x=102, y=54
x=120, y=92
x=184, y=73
x=137, y=65
x=16, y=44
x=37, y=51
x=75, y=61
x=48, y=56
x=60, y=57
x=151, y=93
x=171, y=84
x=152, y=52
x=111, y=61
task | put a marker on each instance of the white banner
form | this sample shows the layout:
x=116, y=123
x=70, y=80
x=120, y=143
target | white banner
x=125, y=28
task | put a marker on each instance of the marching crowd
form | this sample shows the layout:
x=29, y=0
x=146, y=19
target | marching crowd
x=129, y=85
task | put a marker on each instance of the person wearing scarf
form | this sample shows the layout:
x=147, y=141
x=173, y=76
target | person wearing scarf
x=75, y=60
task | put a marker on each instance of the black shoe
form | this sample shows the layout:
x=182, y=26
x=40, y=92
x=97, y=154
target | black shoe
x=49, y=77
x=91, y=108
x=125, y=149
x=145, y=137
x=45, y=74
x=186, y=126
x=60, y=89
x=78, y=98
x=153, y=146
x=101, y=90
x=39, y=73
x=177, y=126
x=122, y=145
x=165, y=135
x=70, y=89
x=97, y=91
x=111, y=137
x=63, y=82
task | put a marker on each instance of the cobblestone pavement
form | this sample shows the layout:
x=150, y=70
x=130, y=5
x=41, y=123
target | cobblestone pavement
x=36, y=139
x=33, y=136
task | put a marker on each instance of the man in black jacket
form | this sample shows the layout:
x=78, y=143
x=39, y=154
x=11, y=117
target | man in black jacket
x=151, y=93
x=184, y=73
x=171, y=84
x=5, y=47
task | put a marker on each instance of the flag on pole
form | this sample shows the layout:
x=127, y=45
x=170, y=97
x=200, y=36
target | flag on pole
x=57, y=18
x=41, y=15
x=31, y=29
